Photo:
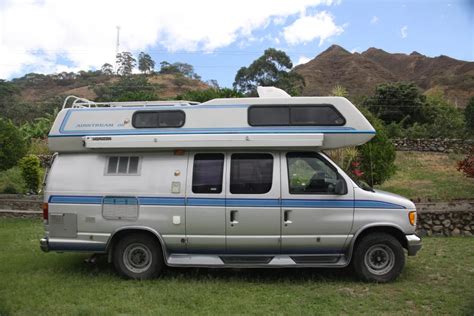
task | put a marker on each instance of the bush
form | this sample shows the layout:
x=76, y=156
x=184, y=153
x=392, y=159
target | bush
x=31, y=172
x=377, y=157
x=469, y=116
x=467, y=165
x=11, y=181
x=12, y=145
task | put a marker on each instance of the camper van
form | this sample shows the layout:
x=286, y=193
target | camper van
x=233, y=183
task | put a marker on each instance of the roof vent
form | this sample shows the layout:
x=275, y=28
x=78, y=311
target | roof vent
x=271, y=92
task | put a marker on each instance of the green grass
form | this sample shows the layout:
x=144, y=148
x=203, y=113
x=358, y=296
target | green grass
x=438, y=281
x=429, y=176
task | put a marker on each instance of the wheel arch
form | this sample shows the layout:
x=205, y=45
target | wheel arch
x=123, y=231
x=387, y=228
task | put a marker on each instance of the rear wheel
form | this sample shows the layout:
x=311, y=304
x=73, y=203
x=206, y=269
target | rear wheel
x=378, y=257
x=138, y=256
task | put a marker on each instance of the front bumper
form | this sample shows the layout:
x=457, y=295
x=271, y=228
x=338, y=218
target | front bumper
x=44, y=244
x=414, y=244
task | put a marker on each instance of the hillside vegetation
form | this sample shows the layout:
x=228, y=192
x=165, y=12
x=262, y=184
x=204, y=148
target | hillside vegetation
x=359, y=73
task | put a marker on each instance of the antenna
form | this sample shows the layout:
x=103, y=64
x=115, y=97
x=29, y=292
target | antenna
x=117, y=47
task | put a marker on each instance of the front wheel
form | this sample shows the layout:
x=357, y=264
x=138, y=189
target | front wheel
x=138, y=256
x=378, y=257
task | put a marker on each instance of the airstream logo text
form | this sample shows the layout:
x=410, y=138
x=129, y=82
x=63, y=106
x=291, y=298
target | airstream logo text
x=95, y=125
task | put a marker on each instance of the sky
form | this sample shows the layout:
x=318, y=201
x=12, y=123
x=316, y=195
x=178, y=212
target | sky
x=219, y=37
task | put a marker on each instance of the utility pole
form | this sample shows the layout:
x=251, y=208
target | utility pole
x=117, y=47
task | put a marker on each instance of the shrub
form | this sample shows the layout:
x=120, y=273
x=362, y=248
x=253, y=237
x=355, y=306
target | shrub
x=12, y=144
x=31, y=172
x=469, y=116
x=11, y=181
x=467, y=165
x=377, y=157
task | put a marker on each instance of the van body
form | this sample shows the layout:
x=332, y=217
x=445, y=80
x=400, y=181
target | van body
x=275, y=204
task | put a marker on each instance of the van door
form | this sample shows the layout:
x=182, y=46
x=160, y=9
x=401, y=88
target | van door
x=253, y=203
x=205, y=203
x=315, y=220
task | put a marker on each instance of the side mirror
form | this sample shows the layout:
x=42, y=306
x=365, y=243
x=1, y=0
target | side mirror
x=340, y=187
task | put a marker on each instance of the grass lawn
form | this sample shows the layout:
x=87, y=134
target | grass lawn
x=438, y=281
x=429, y=176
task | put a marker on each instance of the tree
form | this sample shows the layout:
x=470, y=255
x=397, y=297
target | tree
x=107, y=69
x=469, y=115
x=125, y=63
x=184, y=69
x=209, y=94
x=12, y=145
x=443, y=118
x=128, y=88
x=270, y=69
x=145, y=63
x=394, y=102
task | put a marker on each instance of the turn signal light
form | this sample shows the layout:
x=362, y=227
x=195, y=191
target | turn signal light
x=45, y=212
x=412, y=217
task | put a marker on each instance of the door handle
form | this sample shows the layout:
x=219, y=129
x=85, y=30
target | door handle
x=233, y=218
x=286, y=217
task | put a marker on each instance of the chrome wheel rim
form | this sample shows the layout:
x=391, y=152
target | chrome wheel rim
x=137, y=258
x=379, y=259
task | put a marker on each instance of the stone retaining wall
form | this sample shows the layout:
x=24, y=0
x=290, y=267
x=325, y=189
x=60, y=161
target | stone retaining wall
x=443, y=145
x=446, y=218
x=20, y=202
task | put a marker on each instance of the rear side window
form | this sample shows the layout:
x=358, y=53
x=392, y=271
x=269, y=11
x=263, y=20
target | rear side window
x=207, y=173
x=158, y=119
x=251, y=173
x=297, y=115
x=122, y=165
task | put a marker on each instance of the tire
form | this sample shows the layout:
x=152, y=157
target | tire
x=138, y=256
x=378, y=257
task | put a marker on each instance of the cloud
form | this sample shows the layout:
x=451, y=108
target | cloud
x=308, y=28
x=374, y=20
x=404, y=31
x=48, y=35
x=355, y=50
x=302, y=60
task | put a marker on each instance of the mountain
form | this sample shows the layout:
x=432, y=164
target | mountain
x=360, y=73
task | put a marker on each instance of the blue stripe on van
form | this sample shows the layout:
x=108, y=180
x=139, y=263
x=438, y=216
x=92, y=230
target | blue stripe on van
x=253, y=202
x=181, y=201
x=318, y=203
x=205, y=202
x=161, y=201
x=75, y=199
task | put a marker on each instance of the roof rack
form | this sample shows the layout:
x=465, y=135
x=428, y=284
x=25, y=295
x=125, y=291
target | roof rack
x=75, y=102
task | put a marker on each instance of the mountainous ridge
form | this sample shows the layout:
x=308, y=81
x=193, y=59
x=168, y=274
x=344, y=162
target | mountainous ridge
x=359, y=73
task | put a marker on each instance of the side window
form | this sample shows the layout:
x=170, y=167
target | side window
x=323, y=115
x=122, y=165
x=251, y=173
x=269, y=115
x=295, y=115
x=207, y=173
x=309, y=174
x=158, y=119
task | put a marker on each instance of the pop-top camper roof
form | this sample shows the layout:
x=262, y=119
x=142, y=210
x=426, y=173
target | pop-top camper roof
x=273, y=120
